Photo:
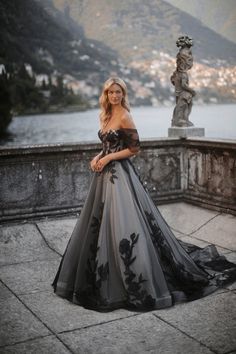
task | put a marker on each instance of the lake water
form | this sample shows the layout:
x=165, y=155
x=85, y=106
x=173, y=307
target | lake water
x=219, y=121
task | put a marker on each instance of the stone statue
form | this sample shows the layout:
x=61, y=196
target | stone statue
x=179, y=78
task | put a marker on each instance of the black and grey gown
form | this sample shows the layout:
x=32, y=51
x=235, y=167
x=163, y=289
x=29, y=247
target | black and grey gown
x=123, y=254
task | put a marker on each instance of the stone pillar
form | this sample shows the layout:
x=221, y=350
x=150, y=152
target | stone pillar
x=181, y=126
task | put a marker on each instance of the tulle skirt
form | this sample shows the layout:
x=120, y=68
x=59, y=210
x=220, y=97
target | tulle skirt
x=123, y=254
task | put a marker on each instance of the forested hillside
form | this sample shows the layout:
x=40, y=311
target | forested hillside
x=56, y=54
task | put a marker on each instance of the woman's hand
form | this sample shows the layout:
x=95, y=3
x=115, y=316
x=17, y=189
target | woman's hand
x=94, y=162
x=99, y=166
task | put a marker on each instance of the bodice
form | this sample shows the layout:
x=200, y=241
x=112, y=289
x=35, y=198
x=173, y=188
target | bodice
x=115, y=140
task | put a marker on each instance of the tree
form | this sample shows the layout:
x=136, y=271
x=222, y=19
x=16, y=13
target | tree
x=5, y=102
x=25, y=95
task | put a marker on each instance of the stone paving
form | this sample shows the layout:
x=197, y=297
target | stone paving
x=35, y=320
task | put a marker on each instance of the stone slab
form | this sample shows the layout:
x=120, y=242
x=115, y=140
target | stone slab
x=62, y=315
x=21, y=243
x=185, y=218
x=178, y=234
x=231, y=257
x=17, y=323
x=135, y=335
x=220, y=231
x=30, y=277
x=4, y=293
x=184, y=132
x=49, y=344
x=57, y=232
x=211, y=320
x=232, y=287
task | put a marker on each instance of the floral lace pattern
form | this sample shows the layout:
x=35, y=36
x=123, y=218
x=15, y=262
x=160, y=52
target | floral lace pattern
x=137, y=295
x=117, y=139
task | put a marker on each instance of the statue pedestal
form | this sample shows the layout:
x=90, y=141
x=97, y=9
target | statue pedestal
x=185, y=132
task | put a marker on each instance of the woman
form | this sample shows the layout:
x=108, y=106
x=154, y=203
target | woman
x=121, y=252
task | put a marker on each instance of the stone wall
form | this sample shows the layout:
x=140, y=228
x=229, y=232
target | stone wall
x=211, y=174
x=54, y=179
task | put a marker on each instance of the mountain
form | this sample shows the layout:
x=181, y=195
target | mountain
x=52, y=43
x=30, y=34
x=136, y=29
x=87, y=41
x=218, y=15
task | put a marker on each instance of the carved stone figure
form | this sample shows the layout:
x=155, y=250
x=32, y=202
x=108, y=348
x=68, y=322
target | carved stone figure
x=179, y=78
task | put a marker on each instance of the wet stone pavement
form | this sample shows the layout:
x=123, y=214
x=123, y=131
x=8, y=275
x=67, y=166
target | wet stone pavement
x=34, y=320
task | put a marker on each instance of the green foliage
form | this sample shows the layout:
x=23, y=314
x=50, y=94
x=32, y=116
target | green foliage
x=20, y=94
x=24, y=93
x=5, y=103
x=61, y=96
x=58, y=91
x=25, y=97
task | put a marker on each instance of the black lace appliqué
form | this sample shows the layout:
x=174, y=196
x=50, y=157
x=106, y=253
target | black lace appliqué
x=115, y=140
x=111, y=169
x=158, y=238
x=137, y=297
x=94, y=275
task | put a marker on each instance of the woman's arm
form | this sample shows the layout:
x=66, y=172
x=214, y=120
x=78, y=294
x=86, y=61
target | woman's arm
x=119, y=155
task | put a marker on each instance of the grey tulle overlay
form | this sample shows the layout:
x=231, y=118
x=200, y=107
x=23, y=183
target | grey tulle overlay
x=122, y=253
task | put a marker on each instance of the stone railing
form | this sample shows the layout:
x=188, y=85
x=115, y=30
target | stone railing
x=52, y=179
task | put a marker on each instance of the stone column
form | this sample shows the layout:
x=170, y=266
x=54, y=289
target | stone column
x=181, y=126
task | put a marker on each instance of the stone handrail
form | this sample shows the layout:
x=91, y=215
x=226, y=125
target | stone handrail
x=51, y=179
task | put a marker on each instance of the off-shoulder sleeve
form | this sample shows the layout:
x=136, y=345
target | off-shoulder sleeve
x=131, y=139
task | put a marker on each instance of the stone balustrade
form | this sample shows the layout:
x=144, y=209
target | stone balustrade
x=42, y=180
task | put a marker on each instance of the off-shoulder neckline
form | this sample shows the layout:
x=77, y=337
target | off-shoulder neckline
x=115, y=130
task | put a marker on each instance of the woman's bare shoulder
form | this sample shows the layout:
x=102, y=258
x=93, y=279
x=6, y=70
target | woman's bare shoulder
x=127, y=120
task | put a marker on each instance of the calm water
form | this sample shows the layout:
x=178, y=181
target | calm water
x=219, y=121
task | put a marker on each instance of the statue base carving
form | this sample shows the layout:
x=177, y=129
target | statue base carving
x=185, y=132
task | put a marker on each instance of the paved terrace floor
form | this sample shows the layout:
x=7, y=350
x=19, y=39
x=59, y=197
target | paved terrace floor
x=34, y=320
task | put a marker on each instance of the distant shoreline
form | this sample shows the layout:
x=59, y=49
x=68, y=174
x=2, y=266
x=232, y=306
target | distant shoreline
x=74, y=109
x=69, y=109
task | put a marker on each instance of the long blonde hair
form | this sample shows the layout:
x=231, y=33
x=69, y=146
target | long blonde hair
x=105, y=105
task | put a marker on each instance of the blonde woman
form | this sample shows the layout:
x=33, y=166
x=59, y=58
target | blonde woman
x=115, y=117
x=121, y=252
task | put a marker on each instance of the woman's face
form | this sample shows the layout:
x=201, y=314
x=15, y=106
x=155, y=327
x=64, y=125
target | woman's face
x=115, y=94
